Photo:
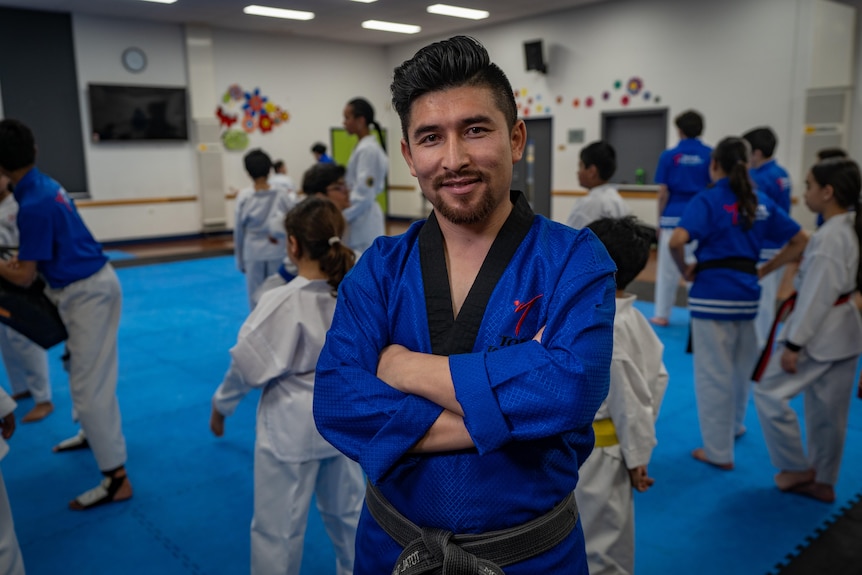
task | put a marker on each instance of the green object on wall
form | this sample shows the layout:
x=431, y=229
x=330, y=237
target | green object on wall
x=341, y=145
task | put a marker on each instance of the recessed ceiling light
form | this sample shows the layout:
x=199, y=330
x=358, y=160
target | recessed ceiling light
x=278, y=12
x=364, y=1
x=458, y=12
x=391, y=27
x=161, y=1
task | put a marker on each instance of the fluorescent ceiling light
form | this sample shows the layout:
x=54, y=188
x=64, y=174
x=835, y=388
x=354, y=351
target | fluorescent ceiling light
x=161, y=1
x=364, y=1
x=391, y=27
x=458, y=12
x=278, y=12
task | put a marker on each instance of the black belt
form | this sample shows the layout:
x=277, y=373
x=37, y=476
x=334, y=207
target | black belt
x=427, y=550
x=739, y=264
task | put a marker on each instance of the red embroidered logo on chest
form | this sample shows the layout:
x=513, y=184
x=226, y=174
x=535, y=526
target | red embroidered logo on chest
x=733, y=209
x=60, y=198
x=524, y=308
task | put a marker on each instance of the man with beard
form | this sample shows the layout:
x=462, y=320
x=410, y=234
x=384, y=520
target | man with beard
x=467, y=357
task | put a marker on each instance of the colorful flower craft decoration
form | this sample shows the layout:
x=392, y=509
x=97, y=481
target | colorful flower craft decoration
x=254, y=112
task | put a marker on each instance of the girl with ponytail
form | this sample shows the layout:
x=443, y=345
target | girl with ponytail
x=821, y=341
x=366, y=176
x=277, y=350
x=730, y=222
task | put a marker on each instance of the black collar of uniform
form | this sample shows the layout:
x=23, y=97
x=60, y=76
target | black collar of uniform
x=458, y=335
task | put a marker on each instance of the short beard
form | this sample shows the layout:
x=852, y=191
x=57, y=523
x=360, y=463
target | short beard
x=468, y=216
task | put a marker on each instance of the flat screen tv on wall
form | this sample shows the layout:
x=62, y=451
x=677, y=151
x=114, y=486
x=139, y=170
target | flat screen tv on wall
x=127, y=113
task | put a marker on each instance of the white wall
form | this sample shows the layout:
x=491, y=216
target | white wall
x=741, y=63
x=734, y=61
x=134, y=170
x=312, y=80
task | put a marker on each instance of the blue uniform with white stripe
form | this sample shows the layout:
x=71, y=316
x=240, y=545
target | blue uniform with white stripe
x=684, y=169
x=713, y=220
x=772, y=180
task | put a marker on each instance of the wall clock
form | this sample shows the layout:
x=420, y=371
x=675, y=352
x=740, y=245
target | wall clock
x=134, y=60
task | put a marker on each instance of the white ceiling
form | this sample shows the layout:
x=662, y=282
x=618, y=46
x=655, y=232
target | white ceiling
x=337, y=20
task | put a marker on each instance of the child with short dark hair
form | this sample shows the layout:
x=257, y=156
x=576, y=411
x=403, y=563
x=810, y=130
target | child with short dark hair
x=772, y=180
x=596, y=167
x=625, y=422
x=258, y=253
x=682, y=172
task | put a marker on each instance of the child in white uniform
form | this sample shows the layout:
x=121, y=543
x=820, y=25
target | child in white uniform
x=10, y=552
x=258, y=253
x=26, y=363
x=277, y=349
x=820, y=343
x=625, y=422
x=596, y=167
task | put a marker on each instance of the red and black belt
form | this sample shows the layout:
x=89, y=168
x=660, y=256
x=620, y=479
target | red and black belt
x=783, y=311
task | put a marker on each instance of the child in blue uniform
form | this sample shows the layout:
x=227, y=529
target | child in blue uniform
x=820, y=343
x=772, y=180
x=730, y=222
x=681, y=173
x=56, y=244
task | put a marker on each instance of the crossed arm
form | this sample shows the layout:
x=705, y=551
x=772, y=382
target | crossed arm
x=427, y=375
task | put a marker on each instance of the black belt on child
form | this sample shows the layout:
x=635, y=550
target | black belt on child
x=783, y=311
x=739, y=264
x=428, y=550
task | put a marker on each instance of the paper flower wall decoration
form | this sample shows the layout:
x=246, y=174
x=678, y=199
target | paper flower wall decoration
x=254, y=112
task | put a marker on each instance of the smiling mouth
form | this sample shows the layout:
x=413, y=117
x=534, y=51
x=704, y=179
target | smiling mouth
x=461, y=185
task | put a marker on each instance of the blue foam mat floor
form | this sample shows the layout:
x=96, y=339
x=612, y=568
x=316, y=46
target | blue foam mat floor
x=193, y=492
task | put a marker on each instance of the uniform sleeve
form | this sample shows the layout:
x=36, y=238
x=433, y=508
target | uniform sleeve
x=630, y=402
x=781, y=227
x=696, y=217
x=36, y=235
x=538, y=390
x=371, y=171
x=267, y=348
x=238, y=233
x=355, y=411
x=272, y=342
x=815, y=298
x=230, y=391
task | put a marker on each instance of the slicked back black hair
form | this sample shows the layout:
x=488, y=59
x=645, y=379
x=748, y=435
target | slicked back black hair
x=453, y=63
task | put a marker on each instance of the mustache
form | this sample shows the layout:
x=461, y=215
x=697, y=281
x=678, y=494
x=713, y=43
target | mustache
x=440, y=181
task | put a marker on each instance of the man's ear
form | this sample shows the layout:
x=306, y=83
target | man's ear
x=408, y=156
x=518, y=141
